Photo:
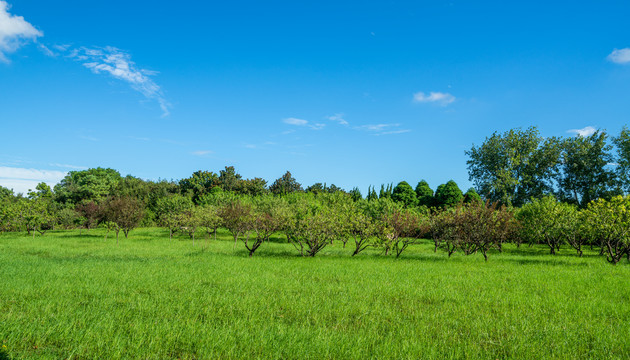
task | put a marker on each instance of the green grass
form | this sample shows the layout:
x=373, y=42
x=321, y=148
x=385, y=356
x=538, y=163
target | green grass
x=65, y=296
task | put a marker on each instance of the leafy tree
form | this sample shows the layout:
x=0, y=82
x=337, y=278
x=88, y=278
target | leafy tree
x=371, y=194
x=125, y=212
x=90, y=212
x=42, y=190
x=235, y=216
x=269, y=215
x=547, y=221
x=609, y=223
x=622, y=145
x=209, y=219
x=190, y=220
x=252, y=187
x=5, y=193
x=85, y=185
x=229, y=179
x=584, y=172
x=514, y=166
x=424, y=194
x=168, y=210
x=471, y=196
x=200, y=184
x=448, y=194
x=355, y=193
x=403, y=193
x=285, y=185
x=386, y=192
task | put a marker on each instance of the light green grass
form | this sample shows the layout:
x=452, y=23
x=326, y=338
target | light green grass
x=65, y=296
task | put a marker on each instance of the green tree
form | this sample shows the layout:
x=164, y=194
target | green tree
x=448, y=194
x=471, y=196
x=424, y=194
x=371, y=194
x=514, y=166
x=585, y=173
x=609, y=223
x=199, y=184
x=168, y=209
x=622, y=145
x=285, y=185
x=229, y=179
x=125, y=212
x=547, y=221
x=404, y=194
x=85, y=185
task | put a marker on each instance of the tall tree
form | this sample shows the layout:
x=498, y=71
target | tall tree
x=514, y=166
x=622, y=145
x=199, y=184
x=585, y=172
x=285, y=185
x=92, y=184
x=229, y=179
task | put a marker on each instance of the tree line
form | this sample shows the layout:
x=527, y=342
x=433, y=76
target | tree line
x=534, y=190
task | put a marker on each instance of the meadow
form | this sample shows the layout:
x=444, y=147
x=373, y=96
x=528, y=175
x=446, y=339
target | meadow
x=80, y=297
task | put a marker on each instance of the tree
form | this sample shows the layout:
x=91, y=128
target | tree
x=585, y=174
x=448, y=194
x=371, y=194
x=514, y=166
x=209, y=219
x=252, y=187
x=125, y=212
x=424, y=194
x=229, y=179
x=355, y=193
x=622, y=145
x=168, y=209
x=547, y=221
x=199, y=184
x=90, y=212
x=609, y=223
x=285, y=185
x=235, y=217
x=92, y=184
x=404, y=194
x=269, y=215
x=472, y=196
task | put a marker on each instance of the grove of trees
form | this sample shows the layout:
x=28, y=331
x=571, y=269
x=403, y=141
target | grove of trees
x=557, y=192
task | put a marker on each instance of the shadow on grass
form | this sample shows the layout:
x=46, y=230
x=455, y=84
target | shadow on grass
x=4, y=355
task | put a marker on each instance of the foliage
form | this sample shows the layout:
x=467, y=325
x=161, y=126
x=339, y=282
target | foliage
x=448, y=194
x=199, y=184
x=472, y=196
x=514, y=166
x=608, y=223
x=86, y=185
x=424, y=194
x=547, y=221
x=403, y=193
x=285, y=185
x=125, y=212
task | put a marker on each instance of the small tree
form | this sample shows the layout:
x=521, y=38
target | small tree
x=125, y=212
x=235, y=217
x=168, y=210
x=609, y=223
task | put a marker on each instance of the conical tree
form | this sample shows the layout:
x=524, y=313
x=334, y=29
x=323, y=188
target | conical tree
x=424, y=194
x=403, y=193
x=448, y=194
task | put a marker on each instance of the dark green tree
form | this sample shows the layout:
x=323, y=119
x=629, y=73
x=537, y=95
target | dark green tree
x=229, y=179
x=403, y=193
x=285, y=185
x=371, y=194
x=622, y=145
x=471, y=196
x=199, y=184
x=585, y=173
x=424, y=194
x=448, y=194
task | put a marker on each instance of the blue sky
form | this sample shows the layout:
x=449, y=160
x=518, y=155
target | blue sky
x=350, y=93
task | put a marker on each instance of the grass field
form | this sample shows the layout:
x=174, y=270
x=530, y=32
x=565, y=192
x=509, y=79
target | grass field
x=65, y=296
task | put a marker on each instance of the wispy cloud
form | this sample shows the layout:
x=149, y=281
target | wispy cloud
x=586, y=131
x=439, y=98
x=68, y=166
x=383, y=129
x=337, y=118
x=620, y=56
x=14, y=31
x=22, y=179
x=118, y=64
x=302, y=122
x=202, y=152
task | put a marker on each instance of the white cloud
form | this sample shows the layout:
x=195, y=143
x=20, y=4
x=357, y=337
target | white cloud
x=434, y=97
x=14, y=31
x=302, y=122
x=22, y=179
x=68, y=166
x=337, y=118
x=383, y=129
x=202, y=152
x=620, y=56
x=295, y=121
x=118, y=64
x=586, y=131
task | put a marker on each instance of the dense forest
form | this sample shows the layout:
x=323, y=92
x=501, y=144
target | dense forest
x=528, y=189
